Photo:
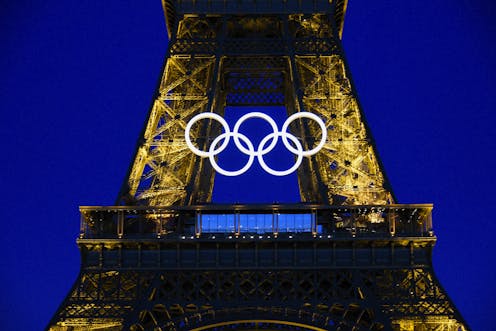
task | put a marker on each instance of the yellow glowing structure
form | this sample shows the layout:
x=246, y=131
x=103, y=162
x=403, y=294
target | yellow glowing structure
x=166, y=259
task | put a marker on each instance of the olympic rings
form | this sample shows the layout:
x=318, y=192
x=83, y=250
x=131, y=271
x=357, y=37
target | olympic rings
x=295, y=148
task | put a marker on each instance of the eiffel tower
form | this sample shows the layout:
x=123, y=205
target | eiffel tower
x=347, y=257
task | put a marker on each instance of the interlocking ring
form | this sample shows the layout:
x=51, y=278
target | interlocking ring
x=295, y=148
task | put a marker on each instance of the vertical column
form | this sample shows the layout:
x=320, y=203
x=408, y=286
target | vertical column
x=348, y=166
x=164, y=171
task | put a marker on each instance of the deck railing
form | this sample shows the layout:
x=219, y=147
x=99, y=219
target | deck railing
x=123, y=222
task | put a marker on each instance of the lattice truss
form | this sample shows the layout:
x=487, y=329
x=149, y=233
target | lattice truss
x=339, y=299
x=163, y=165
x=214, y=62
x=348, y=164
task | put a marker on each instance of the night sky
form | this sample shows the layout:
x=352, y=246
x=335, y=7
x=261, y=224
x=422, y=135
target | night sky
x=77, y=79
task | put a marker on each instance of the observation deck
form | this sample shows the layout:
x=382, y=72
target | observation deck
x=256, y=236
x=239, y=220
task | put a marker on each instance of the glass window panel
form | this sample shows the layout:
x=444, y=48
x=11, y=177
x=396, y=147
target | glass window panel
x=299, y=222
x=222, y=223
x=205, y=223
x=283, y=223
x=243, y=220
x=256, y=223
x=291, y=223
x=232, y=222
x=212, y=223
x=268, y=223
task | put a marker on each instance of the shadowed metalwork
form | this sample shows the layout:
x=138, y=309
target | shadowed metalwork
x=346, y=258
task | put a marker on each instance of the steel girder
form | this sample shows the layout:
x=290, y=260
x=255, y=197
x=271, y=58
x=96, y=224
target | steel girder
x=370, y=297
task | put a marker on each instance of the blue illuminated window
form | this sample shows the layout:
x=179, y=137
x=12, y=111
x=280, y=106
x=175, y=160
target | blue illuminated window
x=295, y=222
x=218, y=223
x=255, y=223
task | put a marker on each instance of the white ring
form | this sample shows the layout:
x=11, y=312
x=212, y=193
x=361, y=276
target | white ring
x=195, y=119
x=310, y=116
x=298, y=160
x=250, y=150
x=241, y=171
x=263, y=116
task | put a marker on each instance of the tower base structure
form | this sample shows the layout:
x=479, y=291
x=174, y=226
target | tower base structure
x=289, y=267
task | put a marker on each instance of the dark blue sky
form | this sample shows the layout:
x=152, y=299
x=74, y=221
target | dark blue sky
x=77, y=78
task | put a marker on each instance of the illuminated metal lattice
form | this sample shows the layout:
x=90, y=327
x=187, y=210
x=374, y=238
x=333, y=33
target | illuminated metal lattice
x=294, y=60
x=160, y=260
